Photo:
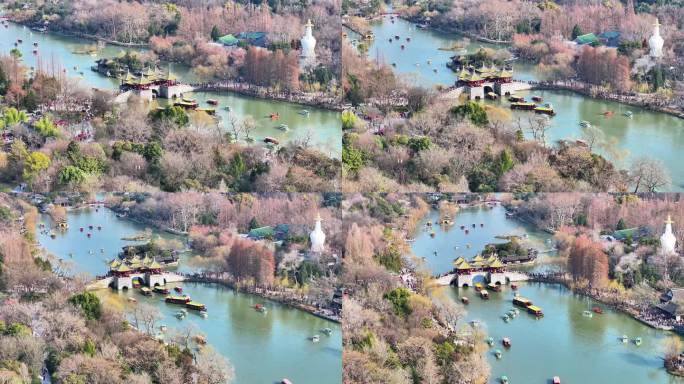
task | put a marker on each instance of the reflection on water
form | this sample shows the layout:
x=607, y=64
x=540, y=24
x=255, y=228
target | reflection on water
x=564, y=342
x=262, y=348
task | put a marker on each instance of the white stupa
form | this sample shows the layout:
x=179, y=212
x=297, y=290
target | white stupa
x=308, y=44
x=655, y=43
x=668, y=239
x=317, y=236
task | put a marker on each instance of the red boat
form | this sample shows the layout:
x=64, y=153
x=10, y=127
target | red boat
x=514, y=286
x=598, y=310
x=556, y=380
x=178, y=289
x=506, y=342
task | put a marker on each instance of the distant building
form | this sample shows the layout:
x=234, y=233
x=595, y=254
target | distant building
x=277, y=233
x=655, y=42
x=671, y=303
x=610, y=38
x=308, y=42
x=317, y=237
x=257, y=39
x=633, y=233
x=587, y=39
x=668, y=241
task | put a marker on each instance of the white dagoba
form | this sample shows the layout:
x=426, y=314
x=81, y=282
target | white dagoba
x=317, y=236
x=655, y=43
x=308, y=44
x=668, y=239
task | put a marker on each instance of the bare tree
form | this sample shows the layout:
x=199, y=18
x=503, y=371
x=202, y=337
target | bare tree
x=647, y=174
x=539, y=125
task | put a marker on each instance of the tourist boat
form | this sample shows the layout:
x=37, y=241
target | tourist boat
x=212, y=101
x=177, y=299
x=629, y=114
x=271, y=140
x=484, y=294
x=195, y=306
x=146, y=291
x=503, y=379
x=547, y=109
x=491, y=96
x=132, y=300
x=598, y=310
x=304, y=112
x=637, y=341
x=315, y=338
x=587, y=314
x=327, y=331
x=497, y=353
x=494, y=287
x=178, y=289
x=478, y=286
x=506, y=342
x=283, y=127
x=464, y=300
x=538, y=99
x=159, y=289
x=186, y=104
x=490, y=341
x=624, y=338
x=208, y=111
x=523, y=106
x=516, y=99
x=533, y=309
x=585, y=124
x=556, y=380
x=522, y=302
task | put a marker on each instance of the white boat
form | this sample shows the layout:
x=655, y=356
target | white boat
x=315, y=338
x=304, y=112
x=327, y=331
x=283, y=127
x=585, y=124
